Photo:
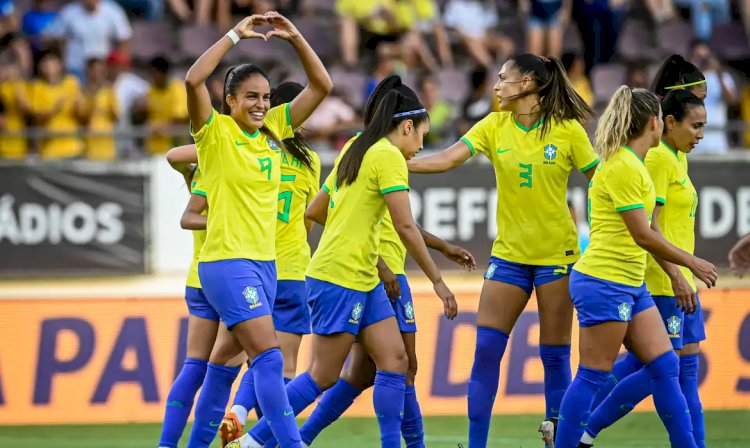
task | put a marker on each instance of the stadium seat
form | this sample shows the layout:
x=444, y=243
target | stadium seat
x=321, y=36
x=636, y=42
x=605, y=79
x=730, y=42
x=195, y=39
x=453, y=84
x=675, y=37
x=352, y=86
x=150, y=39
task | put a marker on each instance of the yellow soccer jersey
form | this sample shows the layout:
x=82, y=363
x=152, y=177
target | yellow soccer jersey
x=391, y=249
x=622, y=183
x=166, y=107
x=242, y=172
x=679, y=201
x=44, y=98
x=347, y=254
x=103, y=103
x=299, y=185
x=13, y=147
x=534, y=225
x=199, y=236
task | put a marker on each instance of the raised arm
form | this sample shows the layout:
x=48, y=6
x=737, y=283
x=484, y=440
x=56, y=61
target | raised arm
x=319, y=82
x=181, y=157
x=403, y=222
x=443, y=161
x=636, y=221
x=198, y=99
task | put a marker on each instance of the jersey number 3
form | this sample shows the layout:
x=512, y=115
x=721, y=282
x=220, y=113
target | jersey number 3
x=525, y=174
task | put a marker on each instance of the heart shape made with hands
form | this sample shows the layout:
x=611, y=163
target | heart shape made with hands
x=281, y=27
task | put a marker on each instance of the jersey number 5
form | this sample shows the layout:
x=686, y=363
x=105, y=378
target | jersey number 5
x=525, y=174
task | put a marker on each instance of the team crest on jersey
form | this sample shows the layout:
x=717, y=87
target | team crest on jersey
x=250, y=293
x=550, y=154
x=409, y=312
x=490, y=271
x=356, y=313
x=673, y=326
x=624, y=311
x=272, y=144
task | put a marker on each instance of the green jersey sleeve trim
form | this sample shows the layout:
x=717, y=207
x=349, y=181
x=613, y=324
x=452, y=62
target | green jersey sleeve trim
x=392, y=189
x=210, y=118
x=590, y=165
x=661, y=201
x=629, y=207
x=200, y=193
x=468, y=143
x=288, y=114
x=326, y=189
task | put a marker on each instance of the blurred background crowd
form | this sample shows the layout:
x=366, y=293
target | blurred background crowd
x=102, y=79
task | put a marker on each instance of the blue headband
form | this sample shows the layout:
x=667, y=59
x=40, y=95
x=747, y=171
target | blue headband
x=411, y=112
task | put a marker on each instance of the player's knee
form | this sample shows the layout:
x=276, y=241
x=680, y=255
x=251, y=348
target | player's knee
x=323, y=376
x=396, y=362
x=666, y=365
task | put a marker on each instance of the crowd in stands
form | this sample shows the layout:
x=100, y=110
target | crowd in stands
x=102, y=79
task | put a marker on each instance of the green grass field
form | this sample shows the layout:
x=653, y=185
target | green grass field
x=643, y=430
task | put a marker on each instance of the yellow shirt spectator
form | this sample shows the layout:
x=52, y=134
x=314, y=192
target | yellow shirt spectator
x=745, y=109
x=12, y=93
x=101, y=107
x=54, y=107
x=166, y=106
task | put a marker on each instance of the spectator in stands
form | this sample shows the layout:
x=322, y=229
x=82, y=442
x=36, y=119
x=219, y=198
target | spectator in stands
x=722, y=93
x=440, y=111
x=479, y=103
x=153, y=10
x=576, y=70
x=745, y=112
x=475, y=22
x=429, y=21
x=385, y=65
x=13, y=96
x=636, y=75
x=599, y=22
x=90, y=29
x=165, y=107
x=53, y=97
x=98, y=111
x=332, y=124
x=37, y=21
x=10, y=37
x=705, y=13
x=129, y=89
x=546, y=21
x=661, y=10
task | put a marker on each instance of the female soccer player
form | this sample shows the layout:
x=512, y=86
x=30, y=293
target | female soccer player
x=607, y=284
x=672, y=288
x=534, y=143
x=391, y=269
x=342, y=279
x=300, y=181
x=239, y=155
x=677, y=74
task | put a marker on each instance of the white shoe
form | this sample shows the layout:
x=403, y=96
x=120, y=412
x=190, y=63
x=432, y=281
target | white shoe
x=547, y=428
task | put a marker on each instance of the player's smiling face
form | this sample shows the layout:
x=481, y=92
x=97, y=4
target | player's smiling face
x=251, y=101
x=687, y=133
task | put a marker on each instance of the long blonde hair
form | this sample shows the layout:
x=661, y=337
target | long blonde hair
x=625, y=117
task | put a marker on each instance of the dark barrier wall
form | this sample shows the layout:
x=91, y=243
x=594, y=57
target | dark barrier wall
x=71, y=219
x=460, y=205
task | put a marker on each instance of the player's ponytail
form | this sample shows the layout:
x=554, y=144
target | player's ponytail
x=393, y=108
x=625, y=117
x=675, y=74
x=558, y=100
x=297, y=146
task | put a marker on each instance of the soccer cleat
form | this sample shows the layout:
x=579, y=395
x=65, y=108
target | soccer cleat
x=230, y=429
x=584, y=445
x=233, y=444
x=548, y=428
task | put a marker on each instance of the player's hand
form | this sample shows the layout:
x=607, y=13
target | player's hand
x=684, y=293
x=705, y=271
x=246, y=28
x=450, y=306
x=283, y=28
x=739, y=256
x=390, y=281
x=461, y=256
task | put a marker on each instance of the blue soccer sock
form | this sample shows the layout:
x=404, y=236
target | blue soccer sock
x=302, y=392
x=669, y=401
x=180, y=401
x=412, y=429
x=334, y=403
x=278, y=407
x=624, y=367
x=689, y=385
x=483, y=383
x=211, y=404
x=557, y=375
x=388, y=401
x=630, y=391
x=576, y=406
